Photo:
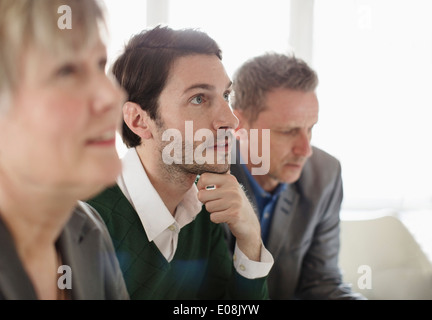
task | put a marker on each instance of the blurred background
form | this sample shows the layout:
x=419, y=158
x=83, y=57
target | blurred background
x=374, y=63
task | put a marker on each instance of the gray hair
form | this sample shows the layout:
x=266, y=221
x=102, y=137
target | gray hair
x=264, y=73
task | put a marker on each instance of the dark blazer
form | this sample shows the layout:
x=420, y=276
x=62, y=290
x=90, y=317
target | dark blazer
x=85, y=246
x=304, y=233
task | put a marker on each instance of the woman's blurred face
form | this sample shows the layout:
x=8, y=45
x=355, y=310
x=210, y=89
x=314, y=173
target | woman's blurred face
x=59, y=131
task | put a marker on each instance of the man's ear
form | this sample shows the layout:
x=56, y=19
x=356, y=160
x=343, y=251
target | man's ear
x=137, y=119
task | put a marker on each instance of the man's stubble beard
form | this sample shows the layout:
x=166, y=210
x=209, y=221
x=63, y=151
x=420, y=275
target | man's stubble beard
x=178, y=172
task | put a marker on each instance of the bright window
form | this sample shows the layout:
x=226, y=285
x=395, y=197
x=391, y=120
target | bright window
x=242, y=28
x=374, y=62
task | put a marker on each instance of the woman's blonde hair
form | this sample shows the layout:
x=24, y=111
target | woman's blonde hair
x=40, y=24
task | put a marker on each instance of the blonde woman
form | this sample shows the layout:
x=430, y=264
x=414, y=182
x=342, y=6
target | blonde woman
x=58, y=116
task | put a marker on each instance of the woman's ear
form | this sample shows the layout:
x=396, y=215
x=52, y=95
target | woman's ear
x=137, y=120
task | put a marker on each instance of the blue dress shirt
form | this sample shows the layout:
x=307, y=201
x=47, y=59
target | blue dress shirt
x=266, y=202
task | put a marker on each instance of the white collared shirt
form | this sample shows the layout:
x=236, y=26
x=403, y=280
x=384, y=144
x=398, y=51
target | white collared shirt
x=163, y=228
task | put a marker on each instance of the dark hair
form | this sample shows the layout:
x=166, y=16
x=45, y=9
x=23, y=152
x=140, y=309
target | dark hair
x=261, y=74
x=144, y=66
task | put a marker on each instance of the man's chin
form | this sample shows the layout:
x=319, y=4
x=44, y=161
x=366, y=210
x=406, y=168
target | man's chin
x=200, y=169
x=290, y=178
x=285, y=177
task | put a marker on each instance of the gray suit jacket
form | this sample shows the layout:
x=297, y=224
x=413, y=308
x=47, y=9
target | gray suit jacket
x=85, y=246
x=304, y=233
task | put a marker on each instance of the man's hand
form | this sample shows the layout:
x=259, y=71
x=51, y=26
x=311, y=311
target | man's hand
x=226, y=201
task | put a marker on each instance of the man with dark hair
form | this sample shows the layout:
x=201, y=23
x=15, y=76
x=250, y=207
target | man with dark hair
x=166, y=211
x=298, y=200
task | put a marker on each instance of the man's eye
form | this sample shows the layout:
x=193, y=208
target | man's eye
x=289, y=132
x=227, y=96
x=197, y=100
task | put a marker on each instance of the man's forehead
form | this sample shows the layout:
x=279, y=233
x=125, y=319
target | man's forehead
x=198, y=70
x=290, y=113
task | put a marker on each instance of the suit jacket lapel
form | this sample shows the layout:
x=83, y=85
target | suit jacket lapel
x=69, y=246
x=282, y=217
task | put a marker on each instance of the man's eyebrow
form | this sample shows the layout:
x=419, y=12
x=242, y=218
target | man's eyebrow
x=205, y=86
x=229, y=86
x=291, y=126
x=200, y=86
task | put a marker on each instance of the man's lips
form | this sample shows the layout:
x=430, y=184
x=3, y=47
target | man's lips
x=220, y=145
x=294, y=164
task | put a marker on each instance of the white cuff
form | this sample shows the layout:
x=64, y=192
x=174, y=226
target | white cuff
x=253, y=269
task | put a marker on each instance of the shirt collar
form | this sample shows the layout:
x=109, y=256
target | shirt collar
x=258, y=190
x=154, y=215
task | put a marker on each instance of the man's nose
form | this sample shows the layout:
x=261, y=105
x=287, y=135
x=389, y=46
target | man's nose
x=225, y=118
x=302, y=145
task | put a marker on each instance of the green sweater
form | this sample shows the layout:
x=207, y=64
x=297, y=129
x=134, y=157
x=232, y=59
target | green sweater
x=202, y=267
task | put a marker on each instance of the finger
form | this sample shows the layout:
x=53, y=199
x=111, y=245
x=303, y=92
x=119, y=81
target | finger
x=214, y=180
x=205, y=195
x=226, y=216
x=220, y=216
x=217, y=205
